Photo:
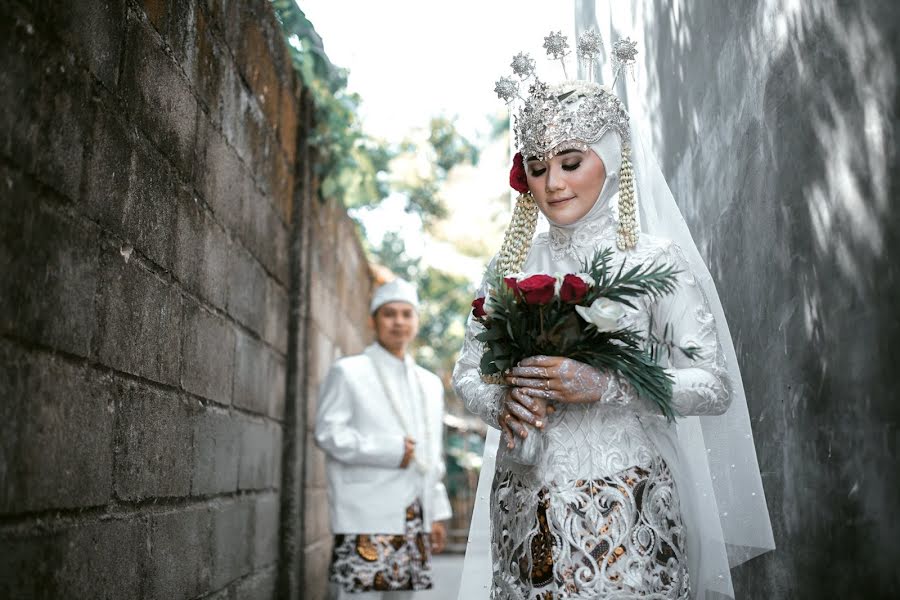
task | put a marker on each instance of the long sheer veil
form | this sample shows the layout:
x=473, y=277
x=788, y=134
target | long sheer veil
x=713, y=459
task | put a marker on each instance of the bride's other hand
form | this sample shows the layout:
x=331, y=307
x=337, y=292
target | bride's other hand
x=519, y=408
x=558, y=379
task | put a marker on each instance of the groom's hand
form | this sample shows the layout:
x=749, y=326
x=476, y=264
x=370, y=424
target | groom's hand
x=409, y=452
x=438, y=537
x=558, y=379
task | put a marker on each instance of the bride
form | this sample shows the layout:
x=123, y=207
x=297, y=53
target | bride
x=595, y=494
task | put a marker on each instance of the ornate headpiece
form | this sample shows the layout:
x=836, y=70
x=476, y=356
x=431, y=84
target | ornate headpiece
x=572, y=114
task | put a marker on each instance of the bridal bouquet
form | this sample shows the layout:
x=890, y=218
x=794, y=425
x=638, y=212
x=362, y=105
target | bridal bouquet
x=578, y=316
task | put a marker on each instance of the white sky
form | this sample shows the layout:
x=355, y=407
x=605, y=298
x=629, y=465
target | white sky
x=412, y=60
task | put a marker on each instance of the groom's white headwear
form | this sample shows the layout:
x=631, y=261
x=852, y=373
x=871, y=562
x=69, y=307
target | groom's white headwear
x=397, y=290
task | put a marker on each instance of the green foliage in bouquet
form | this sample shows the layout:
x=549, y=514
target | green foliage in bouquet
x=528, y=317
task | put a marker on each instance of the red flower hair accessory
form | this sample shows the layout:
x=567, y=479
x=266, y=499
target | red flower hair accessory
x=517, y=179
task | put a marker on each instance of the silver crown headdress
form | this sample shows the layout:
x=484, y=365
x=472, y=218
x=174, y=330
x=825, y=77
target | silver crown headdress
x=571, y=114
x=572, y=111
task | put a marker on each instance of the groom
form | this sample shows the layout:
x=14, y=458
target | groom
x=379, y=422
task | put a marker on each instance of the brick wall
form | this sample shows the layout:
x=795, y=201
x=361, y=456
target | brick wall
x=147, y=167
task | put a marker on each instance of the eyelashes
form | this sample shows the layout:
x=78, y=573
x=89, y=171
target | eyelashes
x=539, y=172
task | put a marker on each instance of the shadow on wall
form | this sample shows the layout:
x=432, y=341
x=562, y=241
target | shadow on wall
x=777, y=131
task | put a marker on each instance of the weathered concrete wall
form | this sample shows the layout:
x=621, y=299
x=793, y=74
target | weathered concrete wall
x=776, y=126
x=338, y=326
x=147, y=153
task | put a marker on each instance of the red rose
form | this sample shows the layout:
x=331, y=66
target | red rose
x=573, y=289
x=512, y=284
x=478, y=307
x=517, y=179
x=538, y=289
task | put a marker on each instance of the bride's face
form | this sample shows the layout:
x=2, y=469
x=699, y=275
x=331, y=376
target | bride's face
x=566, y=186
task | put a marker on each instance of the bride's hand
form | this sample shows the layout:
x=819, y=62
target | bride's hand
x=518, y=409
x=558, y=379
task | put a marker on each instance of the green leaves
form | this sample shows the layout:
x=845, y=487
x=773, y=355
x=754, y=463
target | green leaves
x=351, y=164
x=652, y=281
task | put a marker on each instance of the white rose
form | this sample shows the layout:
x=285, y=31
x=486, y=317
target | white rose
x=604, y=314
x=587, y=279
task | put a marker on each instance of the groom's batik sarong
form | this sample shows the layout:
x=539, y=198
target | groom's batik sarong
x=383, y=562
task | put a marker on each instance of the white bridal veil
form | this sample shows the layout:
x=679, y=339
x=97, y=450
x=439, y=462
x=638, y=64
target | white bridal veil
x=712, y=458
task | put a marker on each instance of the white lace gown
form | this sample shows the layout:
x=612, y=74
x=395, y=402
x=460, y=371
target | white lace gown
x=599, y=515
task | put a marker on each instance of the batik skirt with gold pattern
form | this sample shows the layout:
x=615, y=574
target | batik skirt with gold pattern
x=617, y=537
x=368, y=562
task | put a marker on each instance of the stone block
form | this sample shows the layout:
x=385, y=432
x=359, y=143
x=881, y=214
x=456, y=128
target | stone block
x=265, y=234
x=260, y=443
x=65, y=116
x=207, y=363
x=229, y=16
x=283, y=185
x=101, y=559
x=259, y=586
x=201, y=251
x=276, y=431
x=251, y=374
x=217, y=448
x=232, y=527
x=140, y=320
x=275, y=331
x=261, y=146
x=56, y=421
x=276, y=386
x=255, y=59
x=235, y=99
x=45, y=131
x=181, y=554
x=316, y=473
x=317, y=516
x=246, y=290
x=322, y=303
x=20, y=84
x=266, y=532
x=105, y=559
x=317, y=557
x=93, y=30
x=289, y=122
x=221, y=177
x=176, y=22
x=153, y=443
x=131, y=189
x=50, y=269
x=210, y=67
x=159, y=95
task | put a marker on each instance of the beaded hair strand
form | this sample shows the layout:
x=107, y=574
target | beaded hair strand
x=519, y=235
x=627, y=233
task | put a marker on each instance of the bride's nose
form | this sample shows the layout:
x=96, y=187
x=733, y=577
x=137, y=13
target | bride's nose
x=554, y=181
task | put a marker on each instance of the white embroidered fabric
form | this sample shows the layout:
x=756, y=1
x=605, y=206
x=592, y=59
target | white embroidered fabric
x=584, y=445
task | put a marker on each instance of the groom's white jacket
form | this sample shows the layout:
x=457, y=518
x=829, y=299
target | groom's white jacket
x=358, y=428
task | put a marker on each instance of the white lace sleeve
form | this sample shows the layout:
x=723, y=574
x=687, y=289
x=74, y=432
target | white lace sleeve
x=481, y=398
x=700, y=384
